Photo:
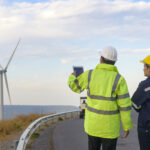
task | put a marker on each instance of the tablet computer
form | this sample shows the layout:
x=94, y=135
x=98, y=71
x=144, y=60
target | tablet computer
x=78, y=70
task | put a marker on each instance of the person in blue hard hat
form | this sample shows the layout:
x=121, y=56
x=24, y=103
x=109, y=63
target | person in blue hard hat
x=141, y=103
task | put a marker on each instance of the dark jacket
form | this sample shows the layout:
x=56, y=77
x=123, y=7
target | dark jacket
x=141, y=103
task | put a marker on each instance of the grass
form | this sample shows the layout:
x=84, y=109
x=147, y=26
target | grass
x=35, y=136
x=12, y=127
x=60, y=119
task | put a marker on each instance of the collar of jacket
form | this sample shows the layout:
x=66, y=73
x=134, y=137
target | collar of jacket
x=107, y=67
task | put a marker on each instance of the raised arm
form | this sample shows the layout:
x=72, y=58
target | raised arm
x=78, y=84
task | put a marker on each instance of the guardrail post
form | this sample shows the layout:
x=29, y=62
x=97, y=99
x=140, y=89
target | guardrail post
x=53, y=120
x=71, y=115
x=65, y=116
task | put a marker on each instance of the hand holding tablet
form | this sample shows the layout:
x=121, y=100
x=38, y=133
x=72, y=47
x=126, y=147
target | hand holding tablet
x=77, y=70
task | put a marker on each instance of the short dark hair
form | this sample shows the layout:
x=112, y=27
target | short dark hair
x=106, y=61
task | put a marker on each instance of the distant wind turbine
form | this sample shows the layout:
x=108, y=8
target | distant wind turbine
x=3, y=73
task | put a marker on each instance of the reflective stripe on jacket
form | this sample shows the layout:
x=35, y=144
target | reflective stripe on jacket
x=108, y=100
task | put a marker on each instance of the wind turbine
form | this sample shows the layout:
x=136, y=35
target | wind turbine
x=3, y=74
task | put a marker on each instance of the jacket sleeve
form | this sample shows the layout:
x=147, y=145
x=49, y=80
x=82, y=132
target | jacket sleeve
x=124, y=104
x=78, y=84
x=138, y=98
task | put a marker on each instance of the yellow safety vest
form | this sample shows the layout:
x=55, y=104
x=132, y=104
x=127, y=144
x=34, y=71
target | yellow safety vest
x=108, y=101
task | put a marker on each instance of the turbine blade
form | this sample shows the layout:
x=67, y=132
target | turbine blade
x=12, y=54
x=6, y=81
x=1, y=67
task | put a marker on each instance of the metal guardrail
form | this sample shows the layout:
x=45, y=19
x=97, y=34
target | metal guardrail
x=23, y=141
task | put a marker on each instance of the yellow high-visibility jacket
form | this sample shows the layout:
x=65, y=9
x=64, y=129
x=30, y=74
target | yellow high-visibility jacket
x=108, y=101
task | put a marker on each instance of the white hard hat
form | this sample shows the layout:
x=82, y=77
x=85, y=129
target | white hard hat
x=109, y=53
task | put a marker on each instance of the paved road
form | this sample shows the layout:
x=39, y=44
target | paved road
x=70, y=135
x=43, y=142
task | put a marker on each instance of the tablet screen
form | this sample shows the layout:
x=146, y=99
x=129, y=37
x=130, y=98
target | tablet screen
x=78, y=70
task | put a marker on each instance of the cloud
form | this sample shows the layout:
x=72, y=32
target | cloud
x=95, y=54
x=75, y=18
x=67, y=60
x=44, y=26
x=136, y=51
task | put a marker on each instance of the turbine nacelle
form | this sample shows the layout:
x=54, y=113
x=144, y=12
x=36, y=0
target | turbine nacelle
x=3, y=71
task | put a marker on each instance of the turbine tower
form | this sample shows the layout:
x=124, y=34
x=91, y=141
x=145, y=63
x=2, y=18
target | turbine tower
x=3, y=74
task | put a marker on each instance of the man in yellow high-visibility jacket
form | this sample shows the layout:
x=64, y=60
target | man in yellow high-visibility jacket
x=108, y=102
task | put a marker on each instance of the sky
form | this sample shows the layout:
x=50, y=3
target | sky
x=58, y=34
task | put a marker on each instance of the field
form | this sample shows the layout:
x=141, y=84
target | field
x=8, y=128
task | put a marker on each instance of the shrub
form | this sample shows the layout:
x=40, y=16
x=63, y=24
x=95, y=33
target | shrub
x=60, y=119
